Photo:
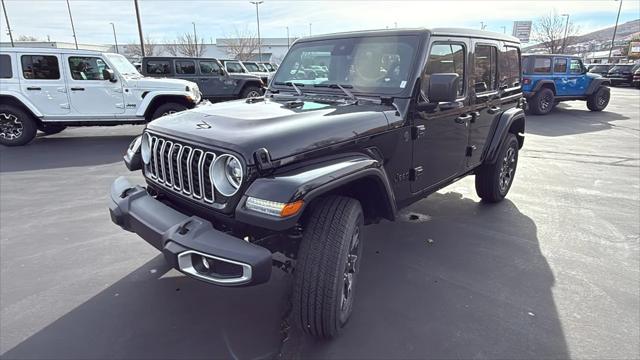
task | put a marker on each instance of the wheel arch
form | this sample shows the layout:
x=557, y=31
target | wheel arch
x=545, y=84
x=511, y=121
x=257, y=83
x=152, y=101
x=22, y=104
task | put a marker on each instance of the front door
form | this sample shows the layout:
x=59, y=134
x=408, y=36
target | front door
x=212, y=80
x=43, y=83
x=440, y=135
x=89, y=92
x=578, y=80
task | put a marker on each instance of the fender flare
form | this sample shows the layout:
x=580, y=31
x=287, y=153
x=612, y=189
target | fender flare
x=596, y=83
x=541, y=83
x=151, y=95
x=309, y=181
x=507, y=119
x=24, y=101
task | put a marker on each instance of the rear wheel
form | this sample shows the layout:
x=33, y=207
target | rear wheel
x=328, y=265
x=51, y=129
x=542, y=102
x=16, y=126
x=251, y=92
x=493, y=181
x=167, y=109
x=599, y=100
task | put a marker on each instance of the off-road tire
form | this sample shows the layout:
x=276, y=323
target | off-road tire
x=324, y=259
x=599, y=100
x=51, y=129
x=168, y=108
x=489, y=178
x=542, y=102
x=16, y=117
x=251, y=91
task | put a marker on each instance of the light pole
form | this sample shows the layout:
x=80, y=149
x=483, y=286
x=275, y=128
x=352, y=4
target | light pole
x=139, y=28
x=309, y=29
x=114, y=37
x=615, y=29
x=564, y=39
x=256, y=3
x=504, y=29
x=288, y=37
x=482, y=25
x=195, y=39
x=6, y=18
x=72, y=27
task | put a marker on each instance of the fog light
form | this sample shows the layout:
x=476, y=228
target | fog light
x=205, y=263
x=274, y=208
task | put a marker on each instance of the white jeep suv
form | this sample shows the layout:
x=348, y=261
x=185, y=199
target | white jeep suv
x=49, y=89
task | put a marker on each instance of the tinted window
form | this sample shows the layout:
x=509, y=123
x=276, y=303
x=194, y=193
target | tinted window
x=40, y=67
x=86, y=68
x=560, y=66
x=209, y=68
x=234, y=67
x=253, y=67
x=576, y=66
x=542, y=65
x=509, y=67
x=447, y=58
x=158, y=67
x=621, y=68
x=600, y=68
x=5, y=67
x=485, y=68
x=185, y=67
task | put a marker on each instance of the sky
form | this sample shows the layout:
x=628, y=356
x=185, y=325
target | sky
x=163, y=20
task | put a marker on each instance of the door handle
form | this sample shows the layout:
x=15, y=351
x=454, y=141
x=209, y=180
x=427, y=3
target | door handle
x=493, y=110
x=463, y=119
x=34, y=88
x=77, y=89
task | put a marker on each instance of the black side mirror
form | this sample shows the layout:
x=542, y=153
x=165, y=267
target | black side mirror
x=441, y=87
x=108, y=74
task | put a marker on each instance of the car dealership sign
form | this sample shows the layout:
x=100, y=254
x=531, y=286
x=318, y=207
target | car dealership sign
x=522, y=30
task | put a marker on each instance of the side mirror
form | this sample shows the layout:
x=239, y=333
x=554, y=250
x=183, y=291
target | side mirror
x=108, y=74
x=437, y=88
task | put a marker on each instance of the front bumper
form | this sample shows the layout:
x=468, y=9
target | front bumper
x=186, y=240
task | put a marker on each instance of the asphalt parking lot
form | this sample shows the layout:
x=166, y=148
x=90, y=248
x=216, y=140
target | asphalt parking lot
x=552, y=272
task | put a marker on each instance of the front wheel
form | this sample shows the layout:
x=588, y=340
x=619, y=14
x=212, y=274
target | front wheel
x=327, y=267
x=542, y=102
x=16, y=126
x=599, y=100
x=167, y=109
x=493, y=181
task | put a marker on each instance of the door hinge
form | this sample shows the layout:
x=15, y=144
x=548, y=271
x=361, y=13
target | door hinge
x=418, y=131
x=470, y=150
x=415, y=173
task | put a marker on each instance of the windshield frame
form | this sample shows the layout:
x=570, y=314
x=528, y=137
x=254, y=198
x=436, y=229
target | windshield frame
x=412, y=73
x=116, y=66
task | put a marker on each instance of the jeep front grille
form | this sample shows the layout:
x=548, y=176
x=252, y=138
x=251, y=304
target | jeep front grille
x=182, y=168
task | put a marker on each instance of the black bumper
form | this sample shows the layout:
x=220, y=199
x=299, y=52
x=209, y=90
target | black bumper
x=184, y=240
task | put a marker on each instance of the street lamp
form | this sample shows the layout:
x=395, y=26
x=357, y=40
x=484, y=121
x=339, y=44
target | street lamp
x=135, y=2
x=6, y=18
x=615, y=29
x=114, y=37
x=256, y=3
x=72, y=27
x=566, y=27
x=195, y=39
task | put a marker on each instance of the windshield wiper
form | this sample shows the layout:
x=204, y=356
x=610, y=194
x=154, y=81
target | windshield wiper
x=341, y=87
x=293, y=85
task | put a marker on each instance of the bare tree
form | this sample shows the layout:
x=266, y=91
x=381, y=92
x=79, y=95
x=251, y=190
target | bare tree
x=186, y=45
x=27, y=38
x=549, y=30
x=242, y=44
x=150, y=49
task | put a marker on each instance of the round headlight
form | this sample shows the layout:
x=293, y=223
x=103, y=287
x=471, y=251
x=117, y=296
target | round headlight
x=145, y=148
x=226, y=174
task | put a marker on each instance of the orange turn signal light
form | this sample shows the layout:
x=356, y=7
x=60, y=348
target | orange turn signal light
x=291, y=208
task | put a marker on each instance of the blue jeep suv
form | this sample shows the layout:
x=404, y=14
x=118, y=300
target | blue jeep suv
x=549, y=79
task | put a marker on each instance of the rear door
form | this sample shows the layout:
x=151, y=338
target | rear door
x=42, y=82
x=560, y=76
x=186, y=69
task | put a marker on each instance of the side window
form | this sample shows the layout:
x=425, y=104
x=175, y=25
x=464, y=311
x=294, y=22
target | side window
x=185, y=67
x=542, y=65
x=5, y=67
x=158, y=67
x=40, y=67
x=560, y=65
x=485, y=71
x=509, y=67
x=209, y=67
x=234, y=67
x=86, y=68
x=447, y=58
x=575, y=67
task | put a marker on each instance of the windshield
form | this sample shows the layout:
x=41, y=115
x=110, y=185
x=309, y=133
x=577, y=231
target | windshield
x=253, y=67
x=122, y=65
x=378, y=64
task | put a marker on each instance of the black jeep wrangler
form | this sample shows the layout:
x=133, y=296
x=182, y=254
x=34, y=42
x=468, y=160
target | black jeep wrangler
x=289, y=179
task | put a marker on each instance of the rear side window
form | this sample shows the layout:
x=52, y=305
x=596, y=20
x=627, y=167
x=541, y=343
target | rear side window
x=485, y=69
x=87, y=68
x=158, y=67
x=40, y=67
x=185, y=67
x=560, y=65
x=447, y=58
x=509, y=67
x=542, y=65
x=209, y=68
x=5, y=67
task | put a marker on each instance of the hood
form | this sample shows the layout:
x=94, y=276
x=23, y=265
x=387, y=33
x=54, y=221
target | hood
x=246, y=127
x=161, y=83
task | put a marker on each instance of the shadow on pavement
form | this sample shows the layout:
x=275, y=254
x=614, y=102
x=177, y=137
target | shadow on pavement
x=563, y=121
x=60, y=152
x=480, y=288
x=149, y=316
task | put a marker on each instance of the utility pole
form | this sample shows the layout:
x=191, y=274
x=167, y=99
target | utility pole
x=256, y=3
x=114, y=37
x=139, y=28
x=72, y=27
x=564, y=40
x=6, y=18
x=615, y=29
x=504, y=29
x=195, y=39
x=309, y=29
x=288, y=38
